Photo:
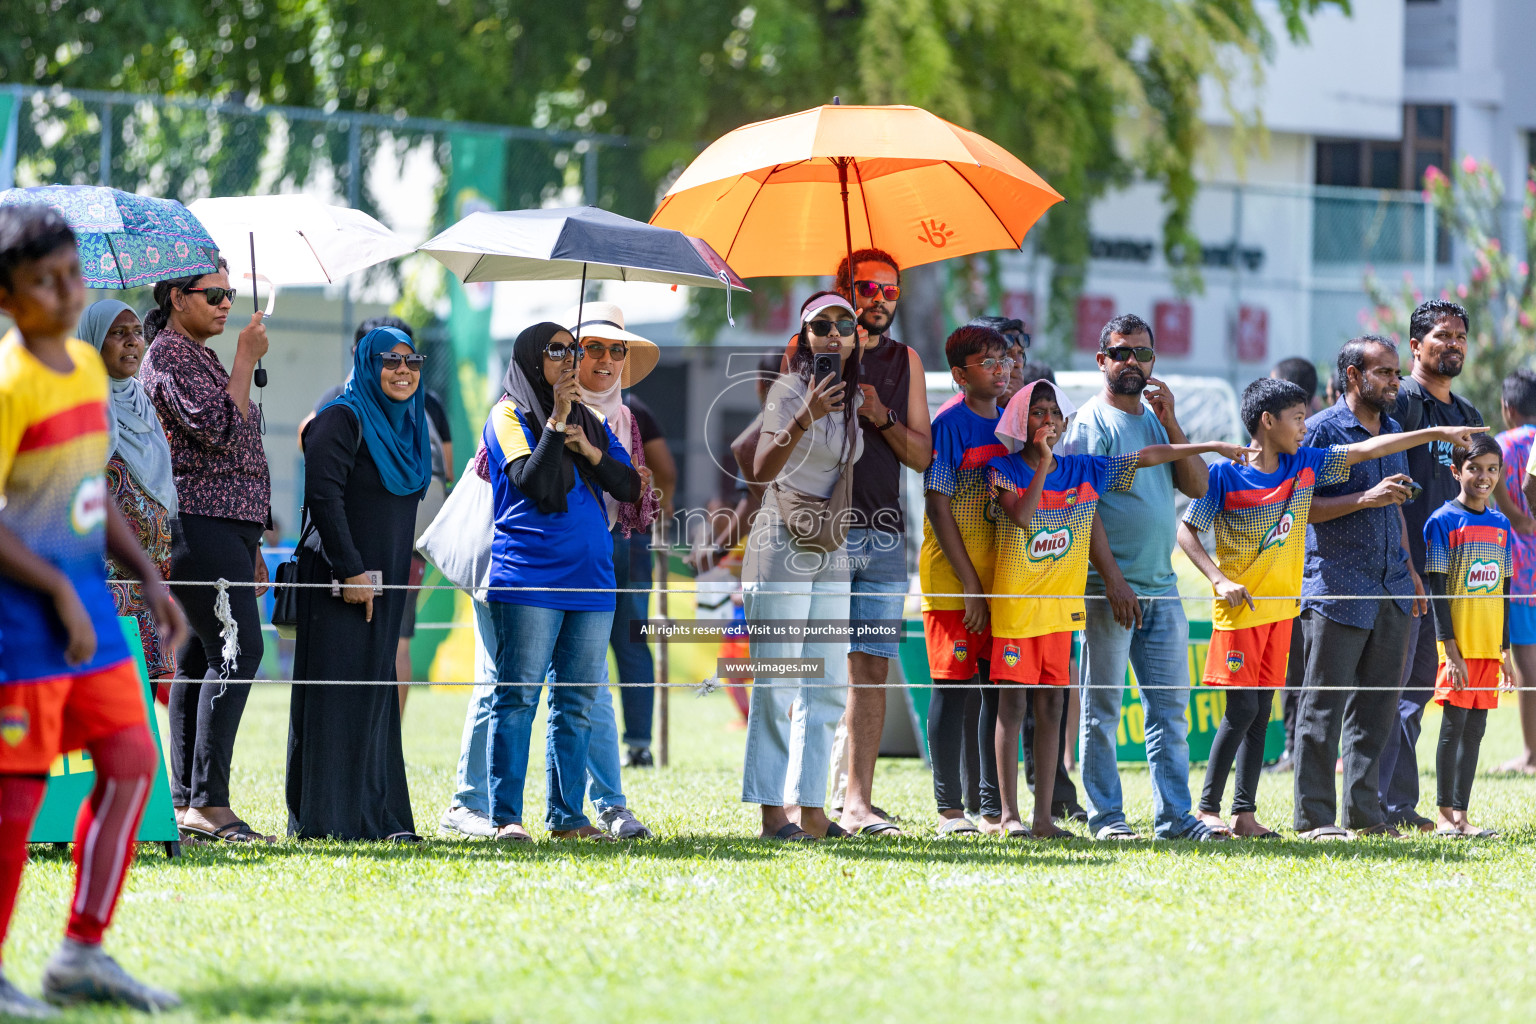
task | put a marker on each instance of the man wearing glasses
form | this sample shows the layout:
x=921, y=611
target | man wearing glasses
x=894, y=418
x=1122, y=625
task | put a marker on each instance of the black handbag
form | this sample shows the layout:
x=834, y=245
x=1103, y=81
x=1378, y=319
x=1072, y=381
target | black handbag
x=285, y=599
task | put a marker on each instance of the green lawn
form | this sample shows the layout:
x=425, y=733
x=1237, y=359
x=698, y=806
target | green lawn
x=708, y=925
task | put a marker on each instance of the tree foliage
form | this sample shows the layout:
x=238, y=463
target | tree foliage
x=1089, y=92
x=1496, y=286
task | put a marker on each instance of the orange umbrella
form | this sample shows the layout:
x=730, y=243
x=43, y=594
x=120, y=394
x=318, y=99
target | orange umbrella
x=791, y=196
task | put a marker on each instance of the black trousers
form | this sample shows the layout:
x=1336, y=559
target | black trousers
x=961, y=748
x=1295, y=676
x=1239, y=738
x=1461, y=736
x=1371, y=661
x=1399, y=760
x=205, y=716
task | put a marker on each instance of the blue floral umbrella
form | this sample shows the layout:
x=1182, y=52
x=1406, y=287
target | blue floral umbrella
x=126, y=240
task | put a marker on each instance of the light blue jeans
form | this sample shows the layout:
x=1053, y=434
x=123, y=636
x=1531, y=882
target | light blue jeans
x=791, y=722
x=529, y=640
x=1159, y=652
x=604, y=786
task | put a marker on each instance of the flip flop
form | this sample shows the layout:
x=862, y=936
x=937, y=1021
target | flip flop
x=1200, y=832
x=958, y=827
x=1017, y=833
x=836, y=831
x=879, y=828
x=1053, y=835
x=1449, y=833
x=1118, y=834
x=793, y=833
x=238, y=831
x=1379, y=830
x=1266, y=834
x=1484, y=833
x=1327, y=834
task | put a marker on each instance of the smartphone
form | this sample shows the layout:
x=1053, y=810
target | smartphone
x=826, y=364
x=1414, y=490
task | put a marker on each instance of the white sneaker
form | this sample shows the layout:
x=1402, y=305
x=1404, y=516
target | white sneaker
x=86, y=974
x=16, y=1003
x=467, y=823
x=621, y=823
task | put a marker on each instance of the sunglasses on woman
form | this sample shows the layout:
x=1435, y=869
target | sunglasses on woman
x=870, y=289
x=558, y=351
x=215, y=296
x=412, y=360
x=595, y=350
x=822, y=328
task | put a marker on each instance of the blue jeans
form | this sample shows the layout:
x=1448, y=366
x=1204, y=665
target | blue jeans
x=637, y=674
x=1159, y=652
x=529, y=640
x=605, y=787
x=877, y=561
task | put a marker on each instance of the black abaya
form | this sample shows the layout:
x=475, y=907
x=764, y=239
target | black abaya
x=346, y=769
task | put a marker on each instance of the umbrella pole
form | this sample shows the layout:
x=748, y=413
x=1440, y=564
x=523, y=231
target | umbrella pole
x=842, y=179
x=581, y=300
x=259, y=378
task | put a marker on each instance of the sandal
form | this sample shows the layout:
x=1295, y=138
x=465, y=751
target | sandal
x=1379, y=830
x=236, y=831
x=836, y=831
x=1328, y=834
x=879, y=828
x=505, y=835
x=793, y=833
x=958, y=827
x=1054, y=834
x=1017, y=832
x=403, y=837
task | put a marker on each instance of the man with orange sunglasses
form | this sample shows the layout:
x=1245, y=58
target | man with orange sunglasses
x=897, y=433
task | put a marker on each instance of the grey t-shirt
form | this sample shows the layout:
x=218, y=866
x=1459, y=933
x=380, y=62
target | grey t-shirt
x=817, y=461
x=1140, y=523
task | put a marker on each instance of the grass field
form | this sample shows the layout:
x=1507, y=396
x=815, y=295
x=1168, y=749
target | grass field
x=705, y=924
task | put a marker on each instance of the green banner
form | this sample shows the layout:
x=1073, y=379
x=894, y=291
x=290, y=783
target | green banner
x=1206, y=703
x=72, y=776
x=476, y=183
x=10, y=108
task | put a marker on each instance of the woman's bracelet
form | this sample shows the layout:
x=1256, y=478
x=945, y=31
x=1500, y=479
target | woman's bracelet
x=805, y=427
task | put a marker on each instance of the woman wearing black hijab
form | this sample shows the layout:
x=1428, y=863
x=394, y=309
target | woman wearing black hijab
x=549, y=460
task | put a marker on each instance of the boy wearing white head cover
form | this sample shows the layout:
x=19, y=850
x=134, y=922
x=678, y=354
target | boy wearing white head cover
x=1047, y=503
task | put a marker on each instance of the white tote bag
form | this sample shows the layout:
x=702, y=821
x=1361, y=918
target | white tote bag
x=458, y=540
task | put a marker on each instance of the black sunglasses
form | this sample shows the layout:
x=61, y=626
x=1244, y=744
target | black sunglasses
x=215, y=296
x=1018, y=338
x=559, y=350
x=1123, y=353
x=822, y=328
x=392, y=360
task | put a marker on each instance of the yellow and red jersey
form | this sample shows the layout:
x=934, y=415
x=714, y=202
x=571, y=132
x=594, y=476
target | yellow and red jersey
x=53, y=457
x=1260, y=521
x=1051, y=557
x=1472, y=549
x=963, y=444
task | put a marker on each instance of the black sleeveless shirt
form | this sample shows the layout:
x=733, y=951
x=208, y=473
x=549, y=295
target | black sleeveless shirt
x=877, y=475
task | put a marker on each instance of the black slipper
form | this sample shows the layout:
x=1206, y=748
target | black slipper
x=880, y=828
x=793, y=833
x=836, y=831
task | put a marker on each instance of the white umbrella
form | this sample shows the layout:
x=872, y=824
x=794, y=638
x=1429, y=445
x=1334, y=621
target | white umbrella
x=294, y=240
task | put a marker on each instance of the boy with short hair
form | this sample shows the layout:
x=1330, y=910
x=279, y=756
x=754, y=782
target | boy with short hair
x=1259, y=513
x=1466, y=558
x=957, y=558
x=69, y=680
x=1047, y=503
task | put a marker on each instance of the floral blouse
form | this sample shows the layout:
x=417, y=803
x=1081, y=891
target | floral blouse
x=216, y=453
x=151, y=523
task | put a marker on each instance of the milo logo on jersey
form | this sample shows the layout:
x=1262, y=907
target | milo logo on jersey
x=1277, y=533
x=88, y=510
x=1049, y=545
x=1484, y=577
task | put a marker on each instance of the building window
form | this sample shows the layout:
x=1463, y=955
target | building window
x=1429, y=34
x=1371, y=163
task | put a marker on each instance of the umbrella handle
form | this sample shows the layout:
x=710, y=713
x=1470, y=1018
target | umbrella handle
x=726, y=280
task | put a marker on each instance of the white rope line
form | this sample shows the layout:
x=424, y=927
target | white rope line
x=714, y=683
x=505, y=589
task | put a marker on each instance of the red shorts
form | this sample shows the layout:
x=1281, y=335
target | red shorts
x=1482, y=685
x=1034, y=661
x=1252, y=656
x=41, y=720
x=952, y=649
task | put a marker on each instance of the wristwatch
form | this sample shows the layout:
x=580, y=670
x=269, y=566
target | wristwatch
x=890, y=420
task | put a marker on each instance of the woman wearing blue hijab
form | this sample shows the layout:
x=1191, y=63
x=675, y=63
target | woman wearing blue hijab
x=367, y=462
